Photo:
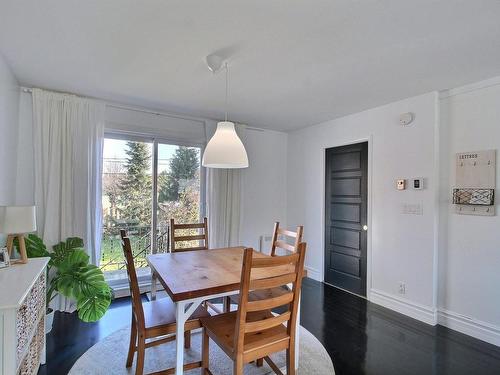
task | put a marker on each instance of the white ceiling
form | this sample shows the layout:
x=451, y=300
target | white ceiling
x=292, y=63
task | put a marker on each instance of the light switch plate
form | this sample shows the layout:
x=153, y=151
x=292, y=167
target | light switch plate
x=412, y=209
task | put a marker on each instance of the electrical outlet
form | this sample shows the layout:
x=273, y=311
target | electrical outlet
x=402, y=288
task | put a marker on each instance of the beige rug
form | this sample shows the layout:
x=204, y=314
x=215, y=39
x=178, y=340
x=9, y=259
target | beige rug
x=108, y=356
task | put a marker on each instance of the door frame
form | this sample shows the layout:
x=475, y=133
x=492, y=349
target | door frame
x=368, y=139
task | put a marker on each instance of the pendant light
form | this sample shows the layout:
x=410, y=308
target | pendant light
x=225, y=149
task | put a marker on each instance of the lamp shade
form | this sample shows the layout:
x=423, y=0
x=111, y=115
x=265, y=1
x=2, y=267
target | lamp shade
x=17, y=219
x=225, y=149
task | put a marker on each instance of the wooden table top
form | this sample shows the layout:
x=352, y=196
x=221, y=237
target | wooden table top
x=201, y=273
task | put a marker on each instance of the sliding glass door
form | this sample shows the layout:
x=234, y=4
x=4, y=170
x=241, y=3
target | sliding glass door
x=178, y=188
x=146, y=182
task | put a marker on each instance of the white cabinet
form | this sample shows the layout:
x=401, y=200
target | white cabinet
x=22, y=317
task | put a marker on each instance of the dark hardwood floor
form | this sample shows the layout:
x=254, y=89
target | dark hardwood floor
x=361, y=338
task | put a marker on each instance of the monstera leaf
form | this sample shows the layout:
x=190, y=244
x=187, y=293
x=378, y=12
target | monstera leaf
x=92, y=308
x=63, y=249
x=74, y=277
x=35, y=248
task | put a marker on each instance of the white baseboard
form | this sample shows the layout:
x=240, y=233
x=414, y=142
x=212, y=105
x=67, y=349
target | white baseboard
x=414, y=310
x=470, y=326
x=313, y=273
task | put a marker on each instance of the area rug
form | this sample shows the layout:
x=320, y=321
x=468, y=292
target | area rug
x=108, y=357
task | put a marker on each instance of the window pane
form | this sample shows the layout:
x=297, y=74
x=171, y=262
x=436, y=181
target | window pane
x=178, y=190
x=126, y=202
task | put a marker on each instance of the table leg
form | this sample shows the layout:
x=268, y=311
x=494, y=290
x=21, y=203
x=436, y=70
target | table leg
x=153, y=286
x=183, y=310
x=179, y=337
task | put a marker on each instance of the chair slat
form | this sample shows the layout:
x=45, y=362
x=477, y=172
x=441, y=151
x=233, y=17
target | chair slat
x=273, y=282
x=284, y=245
x=270, y=303
x=189, y=238
x=179, y=250
x=190, y=226
x=286, y=232
x=264, y=324
x=275, y=261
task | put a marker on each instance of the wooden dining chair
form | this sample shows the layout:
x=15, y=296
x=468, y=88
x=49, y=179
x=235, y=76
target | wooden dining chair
x=253, y=331
x=153, y=323
x=281, y=239
x=280, y=234
x=176, y=240
x=203, y=237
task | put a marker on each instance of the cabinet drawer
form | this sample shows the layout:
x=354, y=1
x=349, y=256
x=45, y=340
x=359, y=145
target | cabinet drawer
x=31, y=361
x=28, y=315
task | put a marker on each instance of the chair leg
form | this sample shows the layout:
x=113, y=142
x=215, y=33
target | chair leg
x=238, y=366
x=290, y=361
x=259, y=362
x=227, y=304
x=141, y=351
x=205, y=352
x=187, y=339
x=133, y=343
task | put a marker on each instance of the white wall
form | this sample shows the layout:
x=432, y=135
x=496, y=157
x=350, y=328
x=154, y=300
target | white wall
x=470, y=247
x=401, y=247
x=9, y=103
x=264, y=185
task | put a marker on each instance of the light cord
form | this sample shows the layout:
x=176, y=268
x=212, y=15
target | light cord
x=227, y=89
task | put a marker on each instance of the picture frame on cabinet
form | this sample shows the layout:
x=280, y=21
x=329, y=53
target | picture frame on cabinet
x=4, y=258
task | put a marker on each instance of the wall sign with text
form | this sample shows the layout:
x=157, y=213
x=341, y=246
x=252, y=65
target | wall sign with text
x=474, y=192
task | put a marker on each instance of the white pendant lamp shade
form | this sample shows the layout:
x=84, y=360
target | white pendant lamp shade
x=225, y=149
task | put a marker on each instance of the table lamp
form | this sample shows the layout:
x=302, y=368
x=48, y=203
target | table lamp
x=15, y=221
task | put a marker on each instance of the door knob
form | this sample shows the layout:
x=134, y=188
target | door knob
x=365, y=227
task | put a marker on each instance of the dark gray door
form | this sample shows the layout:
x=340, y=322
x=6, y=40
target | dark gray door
x=346, y=206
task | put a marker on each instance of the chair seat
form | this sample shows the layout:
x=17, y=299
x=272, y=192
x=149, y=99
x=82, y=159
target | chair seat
x=161, y=313
x=261, y=294
x=221, y=329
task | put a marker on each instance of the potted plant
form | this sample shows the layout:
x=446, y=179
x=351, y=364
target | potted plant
x=70, y=274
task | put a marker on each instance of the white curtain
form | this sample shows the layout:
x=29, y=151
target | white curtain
x=68, y=133
x=223, y=198
x=224, y=201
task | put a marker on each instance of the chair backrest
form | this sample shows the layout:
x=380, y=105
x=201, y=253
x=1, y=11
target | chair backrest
x=176, y=240
x=132, y=280
x=264, y=273
x=278, y=242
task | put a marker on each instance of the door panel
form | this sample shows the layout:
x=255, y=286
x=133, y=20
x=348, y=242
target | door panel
x=346, y=264
x=346, y=161
x=345, y=212
x=346, y=238
x=346, y=208
x=346, y=186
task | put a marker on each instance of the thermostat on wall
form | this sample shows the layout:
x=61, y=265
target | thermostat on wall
x=417, y=183
x=401, y=184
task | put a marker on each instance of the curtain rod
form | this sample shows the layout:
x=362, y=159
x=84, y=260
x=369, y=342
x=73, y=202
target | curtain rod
x=128, y=108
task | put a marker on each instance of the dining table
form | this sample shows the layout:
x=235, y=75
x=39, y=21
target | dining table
x=192, y=277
